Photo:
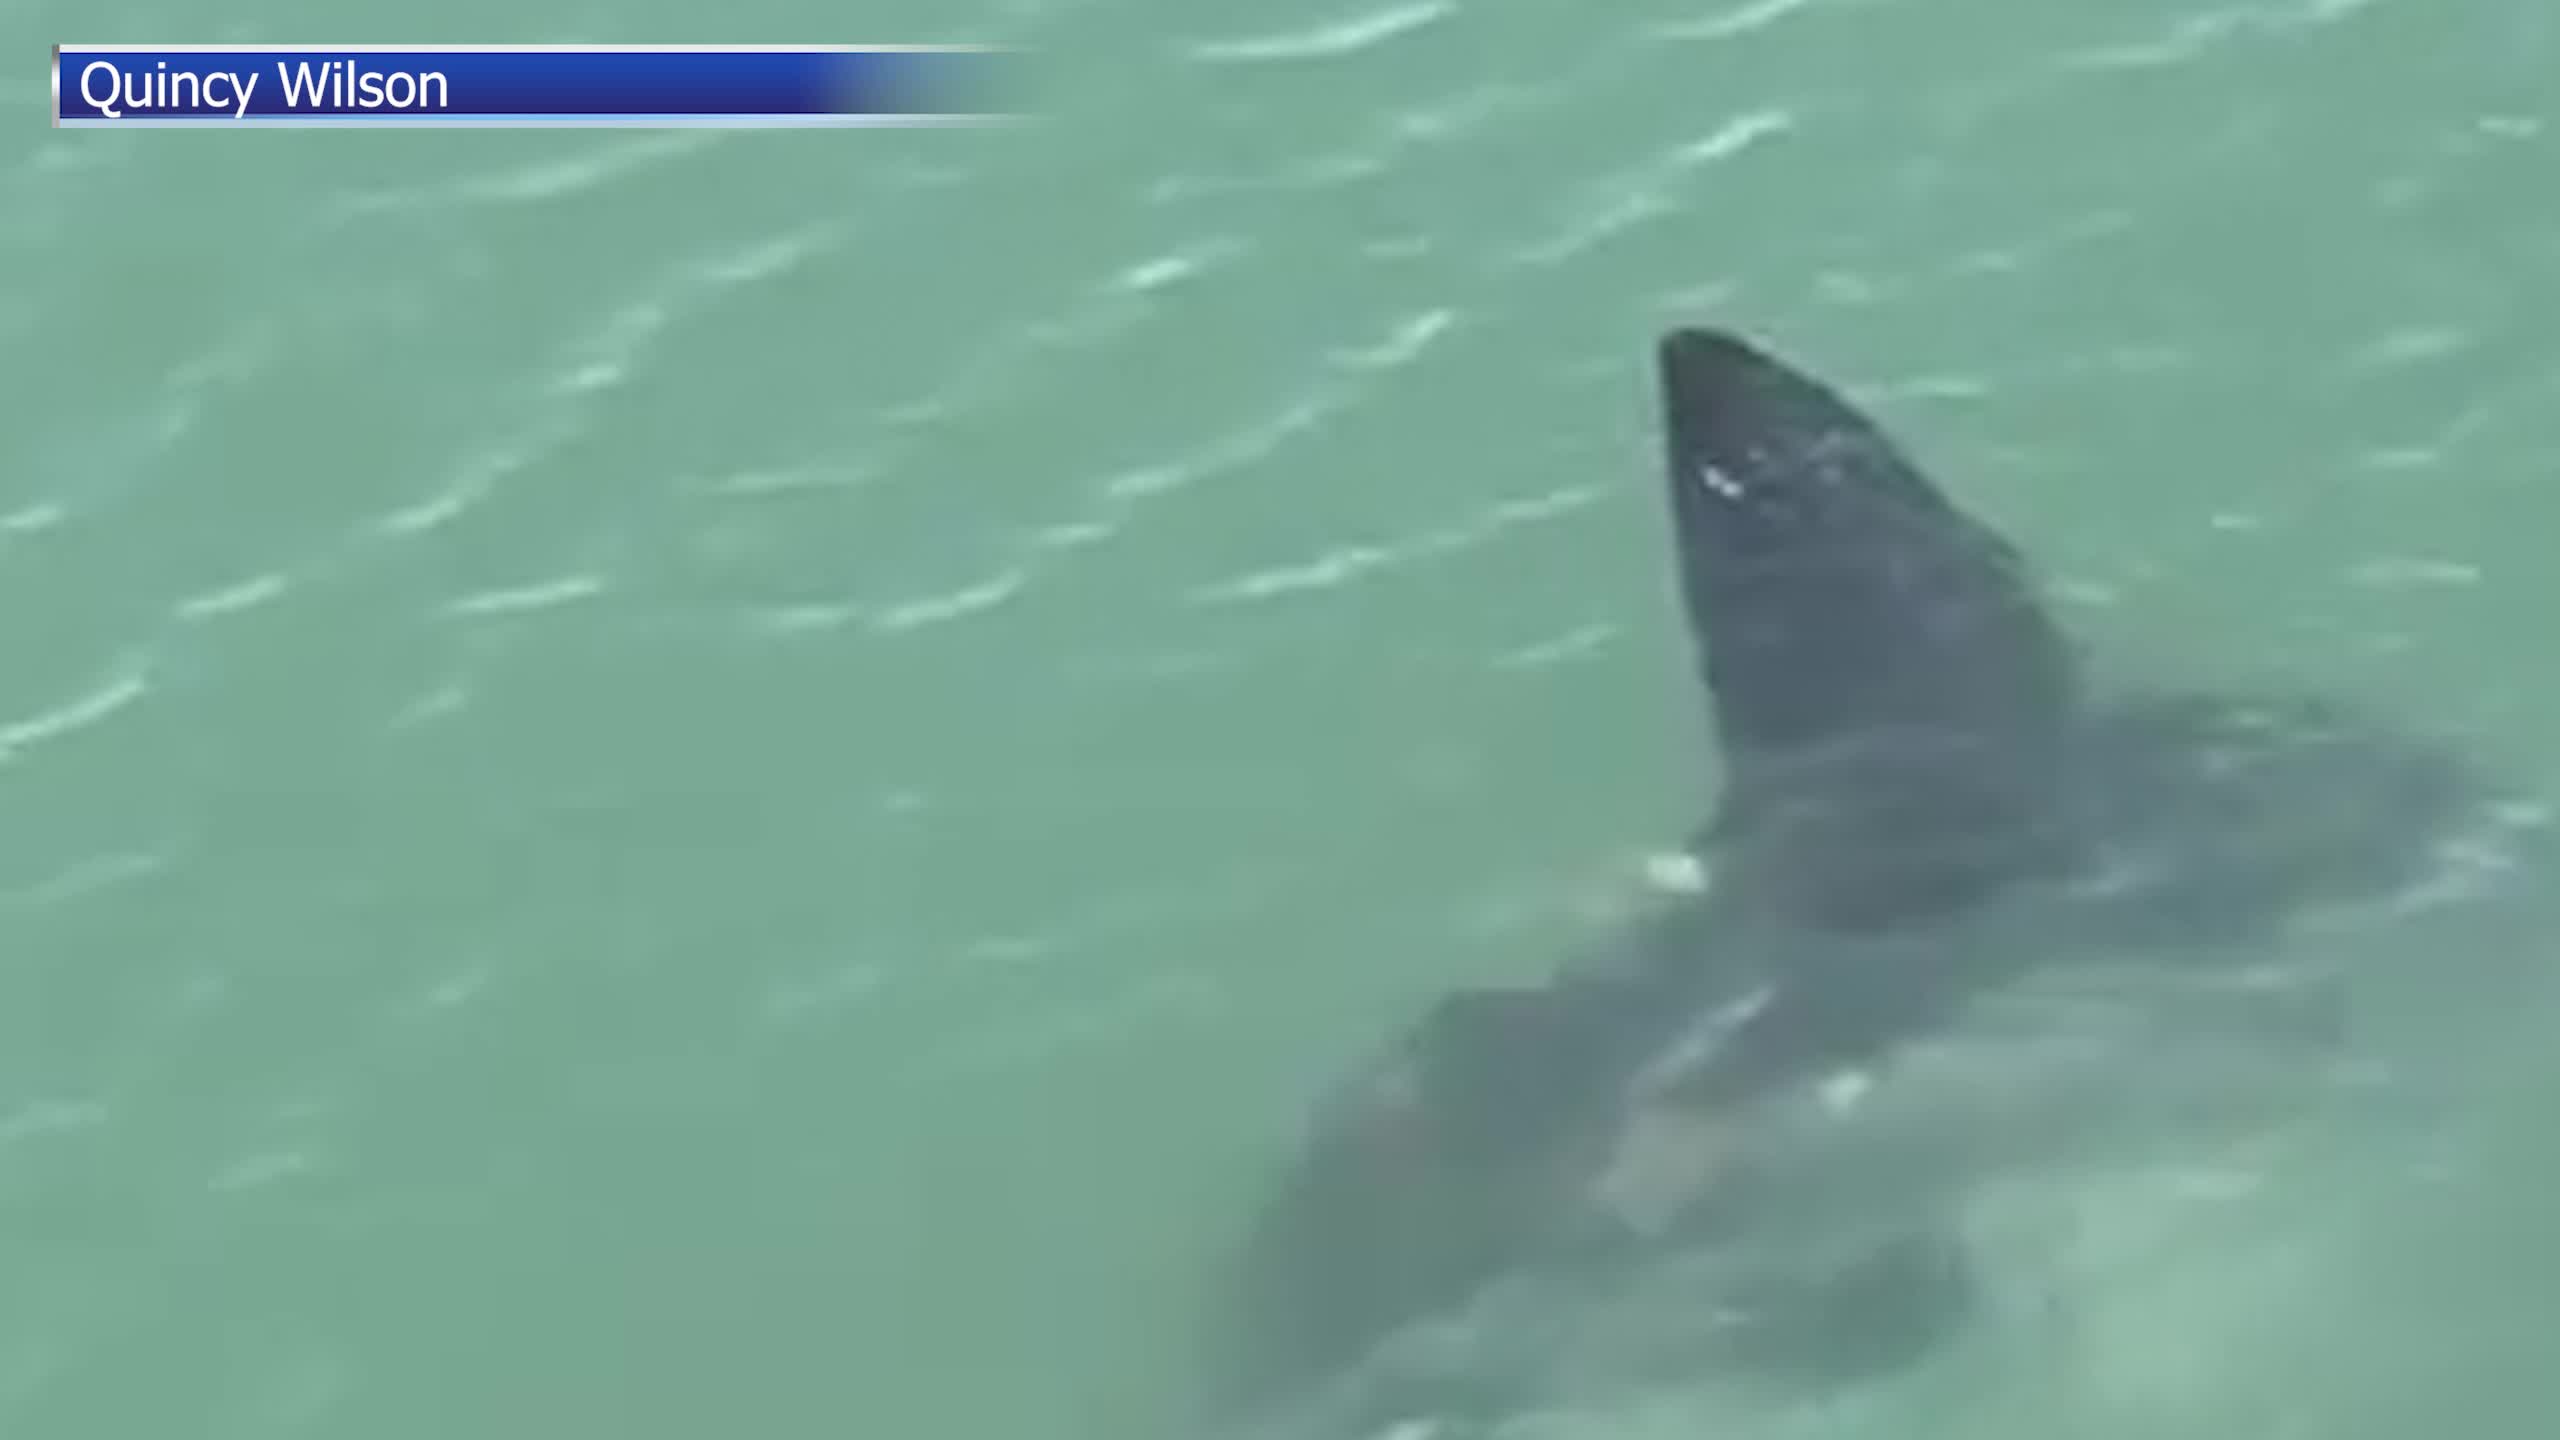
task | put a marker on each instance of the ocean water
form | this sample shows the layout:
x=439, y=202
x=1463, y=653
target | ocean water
x=669, y=785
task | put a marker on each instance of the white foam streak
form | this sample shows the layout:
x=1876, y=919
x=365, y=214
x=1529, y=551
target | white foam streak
x=1331, y=39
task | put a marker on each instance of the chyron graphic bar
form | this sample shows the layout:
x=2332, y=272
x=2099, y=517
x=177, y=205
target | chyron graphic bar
x=523, y=86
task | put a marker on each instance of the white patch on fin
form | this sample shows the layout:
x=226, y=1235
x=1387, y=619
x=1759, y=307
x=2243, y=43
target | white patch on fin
x=1677, y=872
x=1718, y=482
x=1841, y=1090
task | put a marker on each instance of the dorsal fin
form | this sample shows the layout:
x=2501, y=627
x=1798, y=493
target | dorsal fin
x=1891, y=699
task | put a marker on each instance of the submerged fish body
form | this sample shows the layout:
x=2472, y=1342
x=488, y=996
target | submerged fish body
x=1972, y=915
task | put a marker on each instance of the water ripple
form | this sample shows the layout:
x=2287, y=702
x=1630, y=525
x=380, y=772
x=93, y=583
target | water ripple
x=262, y=1170
x=1740, y=20
x=232, y=598
x=893, y=617
x=1402, y=345
x=2185, y=39
x=2413, y=345
x=1072, y=534
x=2403, y=572
x=33, y=517
x=522, y=599
x=1117, y=304
x=824, y=997
x=1159, y=271
x=1649, y=190
x=1246, y=445
x=1334, y=567
x=1390, y=141
x=1406, y=131
x=526, y=185
x=1573, y=644
x=477, y=480
x=435, y=704
x=950, y=604
x=1343, y=36
x=116, y=692
x=804, y=616
x=81, y=879
x=37, y=1119
x=1340, y=564
x=2191, y=37
x=797, y=480
x=760, y=260
x=605, y=358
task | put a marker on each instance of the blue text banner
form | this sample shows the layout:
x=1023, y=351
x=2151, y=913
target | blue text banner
x=549, y=85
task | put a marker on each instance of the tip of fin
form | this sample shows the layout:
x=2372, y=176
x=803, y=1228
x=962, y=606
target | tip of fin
x=1766, y=445
x=1693, y=353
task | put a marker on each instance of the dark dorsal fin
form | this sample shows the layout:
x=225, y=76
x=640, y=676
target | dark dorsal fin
x=1891, y=700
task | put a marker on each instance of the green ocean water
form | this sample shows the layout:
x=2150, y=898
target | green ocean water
x=684, y=785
